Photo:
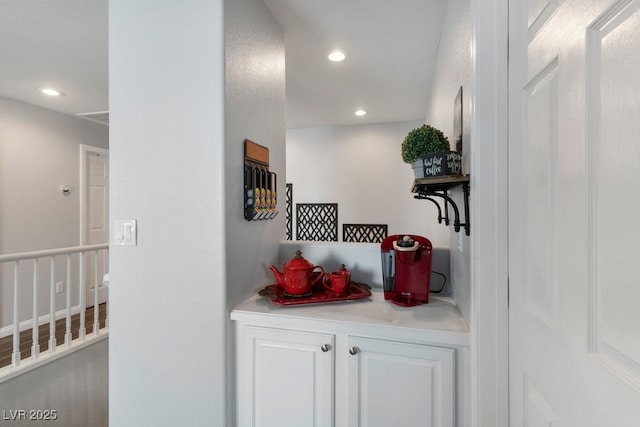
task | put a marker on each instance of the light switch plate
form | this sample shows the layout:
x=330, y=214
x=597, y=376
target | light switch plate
x=125, y=232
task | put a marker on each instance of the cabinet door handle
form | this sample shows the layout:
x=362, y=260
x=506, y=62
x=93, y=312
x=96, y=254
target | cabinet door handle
x=325, y=347
x=353, y=351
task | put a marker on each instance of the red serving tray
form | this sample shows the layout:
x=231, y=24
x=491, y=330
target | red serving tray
x=319, y=295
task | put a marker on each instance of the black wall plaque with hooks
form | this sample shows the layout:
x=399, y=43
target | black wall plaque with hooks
x=436, y=188
x=260, y=184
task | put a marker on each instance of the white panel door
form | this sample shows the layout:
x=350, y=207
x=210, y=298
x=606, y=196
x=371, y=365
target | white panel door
x=285, y=378
x=399, y=384
x=574, y=160
x=95, y=217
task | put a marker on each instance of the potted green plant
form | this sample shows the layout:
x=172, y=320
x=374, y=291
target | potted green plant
x=428, y=151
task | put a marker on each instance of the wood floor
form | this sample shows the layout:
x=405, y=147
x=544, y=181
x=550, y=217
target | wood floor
x=6, y=343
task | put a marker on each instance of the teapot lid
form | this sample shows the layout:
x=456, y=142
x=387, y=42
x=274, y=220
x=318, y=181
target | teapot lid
x=298, y=263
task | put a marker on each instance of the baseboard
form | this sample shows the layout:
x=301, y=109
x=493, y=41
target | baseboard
x=42, y=320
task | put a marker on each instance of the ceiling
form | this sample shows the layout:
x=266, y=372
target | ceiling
x=390, y=46
x=61, y=43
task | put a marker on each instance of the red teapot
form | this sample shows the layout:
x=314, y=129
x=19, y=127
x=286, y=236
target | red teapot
x=297, y=279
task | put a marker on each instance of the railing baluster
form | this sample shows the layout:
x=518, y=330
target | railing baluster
x=35, y=323
x=96, y=307
x=38, y=285
x=67, y=336
x=15, y=356
x=105, y=263
x=52, y=306
x=83, y=331
x=106, y=288
x=106, y=308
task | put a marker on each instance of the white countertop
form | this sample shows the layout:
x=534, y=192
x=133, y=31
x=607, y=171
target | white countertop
x=438, y=320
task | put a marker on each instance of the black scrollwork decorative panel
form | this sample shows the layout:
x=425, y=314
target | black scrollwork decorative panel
x=317, y=221
x=367, y=233
x=289, y=211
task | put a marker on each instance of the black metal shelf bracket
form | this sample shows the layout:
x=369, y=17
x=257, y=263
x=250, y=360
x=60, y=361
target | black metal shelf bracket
x=432, y=188
x=435, y=202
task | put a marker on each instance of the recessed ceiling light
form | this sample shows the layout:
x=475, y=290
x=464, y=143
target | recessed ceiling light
x=360, y=113
x=51, y=92
x=337, y=56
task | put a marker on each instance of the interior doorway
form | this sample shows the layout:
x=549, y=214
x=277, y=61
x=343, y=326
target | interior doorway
x=94, y=216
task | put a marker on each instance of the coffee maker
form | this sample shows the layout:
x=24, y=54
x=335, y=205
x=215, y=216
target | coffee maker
x=406, y=269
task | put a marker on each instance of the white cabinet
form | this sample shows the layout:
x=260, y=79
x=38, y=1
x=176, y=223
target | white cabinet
x=399, y=384
x=367, y=364
x=284, y=378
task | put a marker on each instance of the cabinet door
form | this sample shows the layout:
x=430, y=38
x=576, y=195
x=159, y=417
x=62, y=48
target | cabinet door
x=399, y=384
x=285, y=378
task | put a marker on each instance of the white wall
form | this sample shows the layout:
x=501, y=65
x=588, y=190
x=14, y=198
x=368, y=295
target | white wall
x=177, y=156
x=167, y=363
x=360, y=168
x=454, y=68
x=473, y=54
x=255, y=110
x=39, y=152
x=75, y=386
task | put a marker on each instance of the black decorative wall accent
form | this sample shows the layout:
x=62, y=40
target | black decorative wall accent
x=367, y=233
x=317, y=221
x=289, y=211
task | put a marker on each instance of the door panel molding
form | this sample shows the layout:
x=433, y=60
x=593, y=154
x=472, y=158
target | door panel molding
x=540, y=264
x=537, y=21
x=613, y=168
x=537, y=411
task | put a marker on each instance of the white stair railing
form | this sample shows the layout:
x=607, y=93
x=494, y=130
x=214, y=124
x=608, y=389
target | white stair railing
x=88, y=257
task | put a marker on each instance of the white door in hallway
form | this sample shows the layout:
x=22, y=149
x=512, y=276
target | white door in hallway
x=95, y=217
x=574, y=160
